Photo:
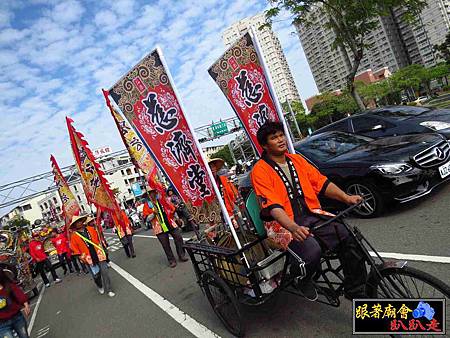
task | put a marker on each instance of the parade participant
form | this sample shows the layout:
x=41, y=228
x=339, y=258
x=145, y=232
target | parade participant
x=77, y=263
x=227, y=189
x=85, y=242
x=181, y=210
x=37, y=252
x=288, y=187
x=125, y=233
x=61, y=244
x=161, y=217
x=12, y=300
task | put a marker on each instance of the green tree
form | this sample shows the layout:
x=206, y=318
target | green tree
x=383, y=92
x=350, y=20
x=331, y=108
x=225, y=154
x=440, y=72
x=297, y=109
x=18, y=222
x=443, y=50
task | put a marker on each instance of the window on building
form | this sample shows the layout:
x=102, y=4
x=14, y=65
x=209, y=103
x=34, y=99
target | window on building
x=82, y=208
x=26, y=207
x=42, y=208
x=126, y=181
x=54, y=200
x=122, y=172
x=128, y=171
x=75, y=188
x=135, y=170
x=129, y=190
x=79, y=198
x=45, y=205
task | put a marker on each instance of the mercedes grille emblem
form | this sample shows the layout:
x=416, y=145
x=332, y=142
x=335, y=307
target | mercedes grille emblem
x=439, y=153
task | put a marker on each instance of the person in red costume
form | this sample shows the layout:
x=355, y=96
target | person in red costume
x=61, y=244
x=40, y=258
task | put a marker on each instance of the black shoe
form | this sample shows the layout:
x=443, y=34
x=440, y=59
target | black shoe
x=308, y=289
x=65, y=272
x=134, y=256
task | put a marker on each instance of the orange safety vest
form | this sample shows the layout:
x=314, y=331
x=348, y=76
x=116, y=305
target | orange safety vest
x=79, y=247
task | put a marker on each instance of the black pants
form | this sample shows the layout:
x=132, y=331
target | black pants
x=63, y=259
x=333, y=237
x=164, y=240
x=75, y=262
x=40, y=268
x=127, y=243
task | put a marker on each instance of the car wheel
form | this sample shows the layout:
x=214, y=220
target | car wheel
x=373, y=204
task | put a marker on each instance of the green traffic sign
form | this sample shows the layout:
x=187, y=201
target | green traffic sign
x=219, y=128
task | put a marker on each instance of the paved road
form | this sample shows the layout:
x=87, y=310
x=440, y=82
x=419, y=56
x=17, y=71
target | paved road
x=75, y=309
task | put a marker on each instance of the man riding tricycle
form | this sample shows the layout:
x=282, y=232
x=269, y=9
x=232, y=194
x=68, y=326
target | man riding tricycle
x=295, y=246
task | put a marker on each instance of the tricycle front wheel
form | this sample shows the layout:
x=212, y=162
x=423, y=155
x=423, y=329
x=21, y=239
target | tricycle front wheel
x=223, y=302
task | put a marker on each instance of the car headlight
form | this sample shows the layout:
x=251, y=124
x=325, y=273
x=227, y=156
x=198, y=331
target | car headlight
x=392, y=168
x=435, y=125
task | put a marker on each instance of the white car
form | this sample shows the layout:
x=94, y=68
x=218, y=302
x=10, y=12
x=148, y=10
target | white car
x=421, y=99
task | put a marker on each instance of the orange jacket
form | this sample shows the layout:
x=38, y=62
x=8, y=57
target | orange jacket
x=79, y=247
x=272, y=193
x=123, y=228
x=229, y=193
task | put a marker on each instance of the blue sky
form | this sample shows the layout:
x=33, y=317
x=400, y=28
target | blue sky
x=55, y=56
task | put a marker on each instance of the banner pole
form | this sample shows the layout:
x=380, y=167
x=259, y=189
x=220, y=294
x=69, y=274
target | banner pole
x=272, y=90
x=208, y=169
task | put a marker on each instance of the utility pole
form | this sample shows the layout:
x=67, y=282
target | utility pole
x=230, y=147
x=295, y=120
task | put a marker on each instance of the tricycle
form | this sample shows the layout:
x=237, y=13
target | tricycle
x=256, y=273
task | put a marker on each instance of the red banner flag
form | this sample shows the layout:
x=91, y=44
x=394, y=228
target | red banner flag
x=240, y=75
x=96, y=187
x=70, y=206
x=147, y=98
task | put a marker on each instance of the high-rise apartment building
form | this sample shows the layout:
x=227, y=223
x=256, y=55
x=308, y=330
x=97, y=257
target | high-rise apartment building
x=273, y=54
x=395, y=44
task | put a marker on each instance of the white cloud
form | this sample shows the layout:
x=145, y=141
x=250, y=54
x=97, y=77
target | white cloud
x=10, y=35
x=67, y=12
x=55, y=62
x=5, y=17
x=106, y=20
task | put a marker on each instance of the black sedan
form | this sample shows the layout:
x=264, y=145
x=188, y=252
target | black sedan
x=396, y=168
x=395, y=120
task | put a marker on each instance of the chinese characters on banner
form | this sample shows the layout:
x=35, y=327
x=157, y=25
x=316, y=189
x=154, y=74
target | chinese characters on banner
x=147, y=99
x=240, y=76
x=70, y=205
x=95, y=186
x=138, y=152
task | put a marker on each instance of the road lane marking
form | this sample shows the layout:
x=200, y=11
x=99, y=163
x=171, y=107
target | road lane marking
x=33, y=316
x=409, y=257
x=43, y=332
x=179, y=316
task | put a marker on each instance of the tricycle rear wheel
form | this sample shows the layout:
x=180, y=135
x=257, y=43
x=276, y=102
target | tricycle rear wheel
x=224, y=302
